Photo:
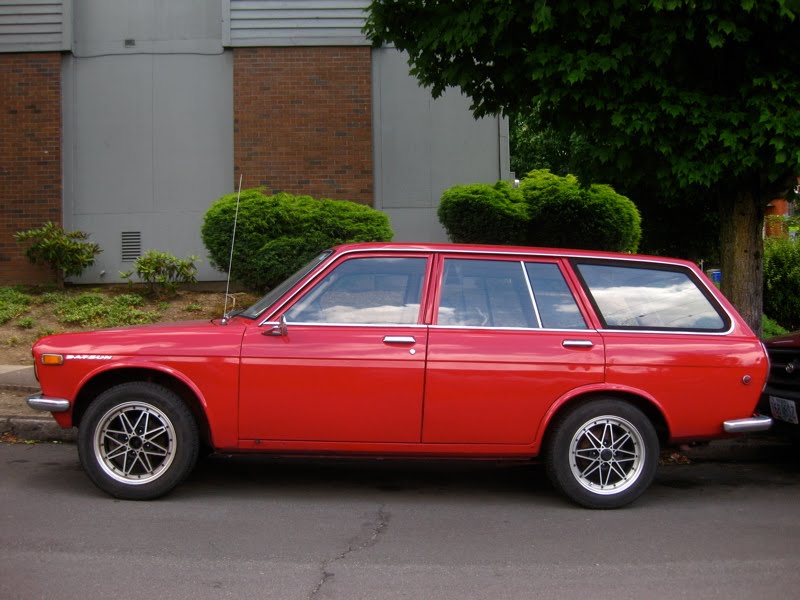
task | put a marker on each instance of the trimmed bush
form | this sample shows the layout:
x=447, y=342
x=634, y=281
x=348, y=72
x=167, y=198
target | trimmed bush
x=565, y=215
x=782, y=281
x=276, y=235
x=546, y=210
x=484, y=214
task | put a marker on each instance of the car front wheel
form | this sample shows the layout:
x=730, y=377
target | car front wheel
x=137, y=441
x=602, y=454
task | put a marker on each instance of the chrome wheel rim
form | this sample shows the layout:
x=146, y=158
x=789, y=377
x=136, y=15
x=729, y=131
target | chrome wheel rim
x=134, y=443
x=607, y=455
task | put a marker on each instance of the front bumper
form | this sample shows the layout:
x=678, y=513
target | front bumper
x=749, y=425
x=48, y=403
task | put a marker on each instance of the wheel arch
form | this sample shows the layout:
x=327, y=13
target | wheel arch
x=647, y=405
x=107, y=379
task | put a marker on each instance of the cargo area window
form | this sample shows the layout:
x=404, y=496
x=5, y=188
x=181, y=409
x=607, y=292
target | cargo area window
x=643, y=297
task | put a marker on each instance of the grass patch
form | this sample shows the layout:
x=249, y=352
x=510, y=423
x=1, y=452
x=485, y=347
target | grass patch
x=97, y=310
x=13, y=303
x=26, y=323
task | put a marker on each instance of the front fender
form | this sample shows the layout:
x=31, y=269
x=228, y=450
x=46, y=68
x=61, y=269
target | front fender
x=212, y=382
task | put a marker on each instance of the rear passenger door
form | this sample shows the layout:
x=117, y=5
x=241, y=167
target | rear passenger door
x=508, y=339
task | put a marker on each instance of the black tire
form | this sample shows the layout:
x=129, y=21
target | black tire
x=137, y=441
x=602, y=454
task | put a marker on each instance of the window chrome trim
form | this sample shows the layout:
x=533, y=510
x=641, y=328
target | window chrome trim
x=370, y=325
x=670, y=331
x=527, y=277
x=430, y=252
x=483, y=328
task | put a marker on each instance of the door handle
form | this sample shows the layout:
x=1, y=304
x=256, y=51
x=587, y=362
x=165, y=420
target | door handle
x=577, y=343
x=399, y=339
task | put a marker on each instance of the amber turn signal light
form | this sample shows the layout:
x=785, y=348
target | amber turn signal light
x=52, y=359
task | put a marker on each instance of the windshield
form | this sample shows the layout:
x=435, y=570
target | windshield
x=275, y=293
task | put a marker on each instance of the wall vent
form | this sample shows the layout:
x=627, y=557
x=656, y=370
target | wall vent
x=131, y=245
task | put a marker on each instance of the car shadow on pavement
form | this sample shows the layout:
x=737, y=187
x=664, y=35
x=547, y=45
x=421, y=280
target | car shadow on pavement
x=302, y=477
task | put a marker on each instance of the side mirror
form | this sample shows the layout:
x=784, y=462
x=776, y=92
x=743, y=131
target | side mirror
x=280, y=329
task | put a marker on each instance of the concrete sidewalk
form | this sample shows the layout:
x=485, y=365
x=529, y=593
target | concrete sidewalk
x=19, y=382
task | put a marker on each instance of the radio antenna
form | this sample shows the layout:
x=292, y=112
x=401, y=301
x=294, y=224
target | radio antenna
x=230, y=260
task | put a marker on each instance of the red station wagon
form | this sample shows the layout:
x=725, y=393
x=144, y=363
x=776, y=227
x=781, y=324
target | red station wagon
x=588, y=360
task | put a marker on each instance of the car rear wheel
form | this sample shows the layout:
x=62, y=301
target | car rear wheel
x=602, y=454
x=137, y=441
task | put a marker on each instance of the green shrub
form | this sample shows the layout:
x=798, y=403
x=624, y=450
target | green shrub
x=162, y=271
x=484, y=214
x=565, y=215
x=66, y=253
x=278, y=234
x=546, y=210
x=782, y=281
x=770, y=328
x=13, y=303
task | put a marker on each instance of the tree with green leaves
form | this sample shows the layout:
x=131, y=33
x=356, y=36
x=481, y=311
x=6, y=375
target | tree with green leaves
x=701, y=93
x=666, y=230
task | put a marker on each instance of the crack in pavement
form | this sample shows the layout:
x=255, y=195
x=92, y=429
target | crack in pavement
x=374, y=530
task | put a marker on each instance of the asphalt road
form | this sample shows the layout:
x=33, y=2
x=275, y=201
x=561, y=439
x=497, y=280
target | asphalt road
x=251, y=527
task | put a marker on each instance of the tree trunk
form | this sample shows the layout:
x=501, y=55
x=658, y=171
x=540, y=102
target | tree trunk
x=742, y=252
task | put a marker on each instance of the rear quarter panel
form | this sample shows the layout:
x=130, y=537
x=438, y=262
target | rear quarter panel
x=698, y=381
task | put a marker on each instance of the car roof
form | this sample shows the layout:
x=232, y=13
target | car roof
x=498, y=249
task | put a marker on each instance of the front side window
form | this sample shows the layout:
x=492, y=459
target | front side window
x=273, y=295
x=641, y=297
x=371, y=290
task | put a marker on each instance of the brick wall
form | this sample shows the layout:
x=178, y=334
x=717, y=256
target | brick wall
x=30, y=155
x=303, y=121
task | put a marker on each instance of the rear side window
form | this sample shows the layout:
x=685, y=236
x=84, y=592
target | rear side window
x=554, y=301
x=485, y=293
x=506, y=294
x=642, y=297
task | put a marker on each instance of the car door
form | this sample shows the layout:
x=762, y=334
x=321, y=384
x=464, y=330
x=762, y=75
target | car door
x=348, y=363
x=509, y=340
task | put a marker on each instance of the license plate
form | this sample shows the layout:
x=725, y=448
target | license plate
x=783, y=409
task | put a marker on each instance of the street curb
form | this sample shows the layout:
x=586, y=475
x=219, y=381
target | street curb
x=10, y=387
x=37, y=429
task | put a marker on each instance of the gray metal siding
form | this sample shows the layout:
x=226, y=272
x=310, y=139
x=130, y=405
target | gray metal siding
x=148, y=146
x=34, y=25
x=295, y=22
x=104, y=27
x=424, y=146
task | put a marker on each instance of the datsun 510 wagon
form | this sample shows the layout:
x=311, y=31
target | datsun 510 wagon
x=590, y=361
